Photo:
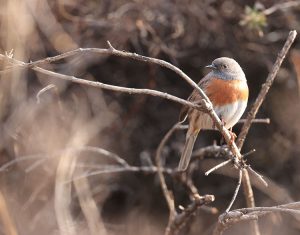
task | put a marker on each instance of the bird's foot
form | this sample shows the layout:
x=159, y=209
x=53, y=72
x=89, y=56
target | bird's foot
x=232, y=136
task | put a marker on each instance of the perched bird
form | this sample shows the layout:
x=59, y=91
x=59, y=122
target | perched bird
x=226, y=87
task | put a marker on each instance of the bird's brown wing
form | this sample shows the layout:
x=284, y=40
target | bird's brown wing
x=194, y=98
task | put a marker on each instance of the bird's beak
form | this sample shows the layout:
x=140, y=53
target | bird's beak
x=211, y=66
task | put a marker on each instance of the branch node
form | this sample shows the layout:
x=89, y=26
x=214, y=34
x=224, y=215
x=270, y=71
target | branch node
x=110, y=46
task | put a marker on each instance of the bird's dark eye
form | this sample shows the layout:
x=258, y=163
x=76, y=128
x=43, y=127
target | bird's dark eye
x=224, y=66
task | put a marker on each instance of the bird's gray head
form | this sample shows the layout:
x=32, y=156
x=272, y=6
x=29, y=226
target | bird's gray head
x=227, y=68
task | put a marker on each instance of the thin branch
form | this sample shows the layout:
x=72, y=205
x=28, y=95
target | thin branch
x=257, y=120
x=131, y=91
x=168, y=195
x=249, y=153
x=265, y=88
x=226, y=220
x=235, y=191
x=20, y=159
x=258, y=175
x=251, y=115
x=217, y=167
x=214, y=151
x=249, y=198
x=206, y=105
x=274, y=191
x=42, y=91
x=222, y=226
x=44, y=156
x=281, y=6
x=262, y=210
x=119, y=169
x=181, y=219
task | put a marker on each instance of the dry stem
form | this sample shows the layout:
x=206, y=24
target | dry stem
x=168, y=194
x=265, y=88
x=230, y=218
x=181, y=219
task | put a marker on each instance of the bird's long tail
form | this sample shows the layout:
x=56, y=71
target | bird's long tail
x=187, y=151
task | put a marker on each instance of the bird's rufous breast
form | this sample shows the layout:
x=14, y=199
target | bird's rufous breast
x=222, y=92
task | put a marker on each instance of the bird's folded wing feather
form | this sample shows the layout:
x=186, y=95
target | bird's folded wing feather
x=195, y=97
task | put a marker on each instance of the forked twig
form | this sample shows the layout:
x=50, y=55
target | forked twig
x=181, y=219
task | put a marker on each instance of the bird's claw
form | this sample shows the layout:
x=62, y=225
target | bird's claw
x=232, y=137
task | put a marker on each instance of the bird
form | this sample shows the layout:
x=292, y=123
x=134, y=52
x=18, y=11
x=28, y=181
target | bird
x=226, y=87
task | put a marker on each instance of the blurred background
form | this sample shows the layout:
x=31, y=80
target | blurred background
x=45, y=134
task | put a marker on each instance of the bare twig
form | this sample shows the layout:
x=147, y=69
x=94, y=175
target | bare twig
x=254, y=121
x=257, y=120
x=258, y=175
x=281, y=6
x=249, y=198
x=265, y=88
x=236, y=218
x=44, y=156
x=98, y=84
x=262, y=210
x=227, y=219
x=181, y=219
x=206, y=105
x=214, y=151
x=251, y=115
x=274, y=191
x=217, y=167
x=119, y=169
x=235, y=191
x=186, y=179
x=20, y=159
x=249, y=153
x=168, y=195
x=42, y=91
